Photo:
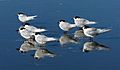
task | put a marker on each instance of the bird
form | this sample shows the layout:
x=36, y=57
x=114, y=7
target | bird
x=67, y=39
x=92, y=45
x=42, y=39
x=42, y=52
x=25, y=33
x=24, y=18
x=28, y=45
x=33, y=28
x=65, y=26
x=80, y=22
x=93, y=32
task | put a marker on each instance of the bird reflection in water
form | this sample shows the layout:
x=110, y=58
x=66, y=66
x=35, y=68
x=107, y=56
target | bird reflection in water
x=27, y=45
x=67, y=39
x=42, y=52
x=31, y=45
x=79, y=34
x=92, y=46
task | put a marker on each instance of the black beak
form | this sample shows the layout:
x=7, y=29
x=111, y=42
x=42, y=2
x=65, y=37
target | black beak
x=17, y=30
x=32, y=55
x=17, y=49
x=81, y=48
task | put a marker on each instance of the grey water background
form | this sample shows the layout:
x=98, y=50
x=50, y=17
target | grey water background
x=105, y=12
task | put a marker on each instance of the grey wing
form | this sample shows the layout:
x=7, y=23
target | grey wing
x=92, y=31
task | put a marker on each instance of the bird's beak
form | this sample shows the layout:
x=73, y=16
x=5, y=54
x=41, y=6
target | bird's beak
x=17, y=30
x=17, y=14
x=17, y=49
x=32, y=55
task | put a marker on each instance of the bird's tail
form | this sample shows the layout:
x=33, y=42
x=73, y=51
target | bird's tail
x=32, y=17
x=104, y=30
x=40, y=30
x=92, y=22
x=52, y=39
x=102, y=47
x=73, y=25
x=75, y=42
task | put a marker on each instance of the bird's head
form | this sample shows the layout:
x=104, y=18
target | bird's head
x=62, y=20
x=20, y=14
x=26, y=24
x=76, y=17
x=85, y=27
x=22, y=28
x=21, y=51
x=37, y=33
x=85, y=50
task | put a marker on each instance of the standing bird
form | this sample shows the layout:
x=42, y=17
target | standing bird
x=93, y=32
x=42, y=52
x=33, y=29
x=42, y=39
x=25, y=33
x=80, y=22
x=90, y=46
x=24, y=18
x=65, y=26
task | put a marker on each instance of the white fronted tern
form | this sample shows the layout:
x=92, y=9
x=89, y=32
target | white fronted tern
x=25, y=33
x=42, y=39
x=24, y=18
x=33, y=28
x=93, y=32
x=80, y=22
x=65, y=26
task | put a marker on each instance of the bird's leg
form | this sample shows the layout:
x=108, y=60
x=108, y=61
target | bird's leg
x=43, y=45
x=17, y=30
x=91, y=39
x=80, y=28
x=23, y=23
x=65, y=32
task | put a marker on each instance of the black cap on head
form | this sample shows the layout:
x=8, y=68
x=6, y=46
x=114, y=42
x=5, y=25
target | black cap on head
x=22, y=28
x=27, y=24
x=76, y=17
x=20, y=13
x=86, y=26
x=62, y=20
x=37, y=33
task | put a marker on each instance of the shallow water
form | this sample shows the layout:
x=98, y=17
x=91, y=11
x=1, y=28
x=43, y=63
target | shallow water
x=105, y=12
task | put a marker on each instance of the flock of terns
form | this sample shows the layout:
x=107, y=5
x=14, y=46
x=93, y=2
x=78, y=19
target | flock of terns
x=35, y=40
